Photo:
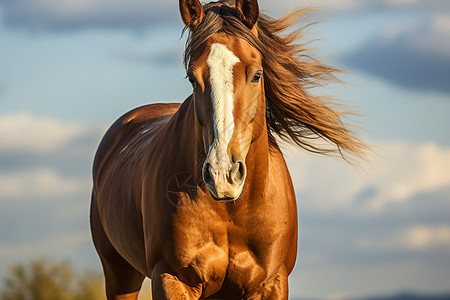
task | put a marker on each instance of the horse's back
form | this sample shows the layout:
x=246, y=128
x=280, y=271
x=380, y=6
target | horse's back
x=151, y=111
x=121, y=128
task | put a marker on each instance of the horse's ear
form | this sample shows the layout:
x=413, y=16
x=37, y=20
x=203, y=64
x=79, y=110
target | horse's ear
x=191, y=13
x=248, y=11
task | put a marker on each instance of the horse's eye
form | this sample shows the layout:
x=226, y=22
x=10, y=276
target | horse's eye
x=256, y=77
x=192, y=80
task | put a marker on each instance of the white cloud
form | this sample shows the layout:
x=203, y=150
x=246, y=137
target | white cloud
x=58, y=244
x=422, y=237
x=72, y=14
x=413, y=238
x=77, y=8
x=323, y=5
x=414, y=55
x=432, y=36
x=417, y=4
x=39, y=183
x=398, y=172
x=44, y=158
x=408, y=170
x=352, y=6
x=441, y=23
x=30, y=133
x=401, y=3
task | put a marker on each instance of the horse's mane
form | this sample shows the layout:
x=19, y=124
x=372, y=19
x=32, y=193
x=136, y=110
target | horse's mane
x=292, y=113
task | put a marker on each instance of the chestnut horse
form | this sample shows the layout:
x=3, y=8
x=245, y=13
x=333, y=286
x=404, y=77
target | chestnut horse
x=197, y=196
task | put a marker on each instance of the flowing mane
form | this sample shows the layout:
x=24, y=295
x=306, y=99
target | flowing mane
x=292, y=113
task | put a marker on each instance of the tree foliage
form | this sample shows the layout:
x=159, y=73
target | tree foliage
x=44, y=280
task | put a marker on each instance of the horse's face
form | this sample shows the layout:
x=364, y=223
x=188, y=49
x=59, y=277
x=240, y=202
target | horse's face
x=228, y=93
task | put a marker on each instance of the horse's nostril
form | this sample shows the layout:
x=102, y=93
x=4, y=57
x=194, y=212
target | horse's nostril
x=238, y=172
x=207, y=177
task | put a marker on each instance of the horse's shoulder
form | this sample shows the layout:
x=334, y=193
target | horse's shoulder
x=123, y=128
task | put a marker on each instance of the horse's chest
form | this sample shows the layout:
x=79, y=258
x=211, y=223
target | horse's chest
x=221, y=269
x=218, y=257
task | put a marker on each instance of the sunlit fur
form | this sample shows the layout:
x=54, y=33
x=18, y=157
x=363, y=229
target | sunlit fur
x=293, y=113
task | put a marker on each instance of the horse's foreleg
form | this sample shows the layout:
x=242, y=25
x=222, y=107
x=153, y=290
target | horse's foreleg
x=165, y=285
x=277, y=288
x=130, y=296
x=122, y=281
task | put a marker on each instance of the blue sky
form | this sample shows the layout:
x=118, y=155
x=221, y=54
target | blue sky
x=69, y=68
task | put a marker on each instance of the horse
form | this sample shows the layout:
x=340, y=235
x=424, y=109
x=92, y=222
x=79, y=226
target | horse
x=197, y=196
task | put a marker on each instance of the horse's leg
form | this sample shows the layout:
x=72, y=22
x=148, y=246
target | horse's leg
x=277, y=288
x=129, y=296
x=165, y=285
x=122, y=281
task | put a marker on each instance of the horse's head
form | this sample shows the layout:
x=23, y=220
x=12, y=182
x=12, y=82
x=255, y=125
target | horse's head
x=228, y=90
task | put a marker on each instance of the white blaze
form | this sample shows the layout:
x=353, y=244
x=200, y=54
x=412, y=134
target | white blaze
x=221, y=62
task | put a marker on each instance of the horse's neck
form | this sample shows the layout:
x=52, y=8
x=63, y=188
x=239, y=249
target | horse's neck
x=257, y=162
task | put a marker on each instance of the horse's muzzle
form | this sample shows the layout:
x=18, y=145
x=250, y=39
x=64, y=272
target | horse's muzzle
x=224, y=185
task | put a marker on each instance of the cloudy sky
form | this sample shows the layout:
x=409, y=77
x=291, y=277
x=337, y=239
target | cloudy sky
x=69, y=68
